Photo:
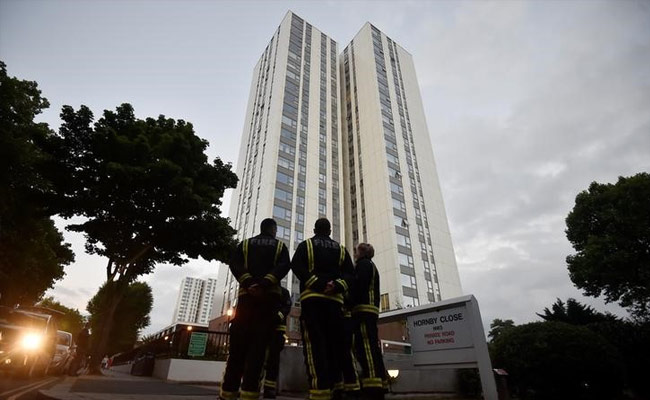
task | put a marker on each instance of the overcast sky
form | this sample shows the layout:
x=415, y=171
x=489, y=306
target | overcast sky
x=526, y=103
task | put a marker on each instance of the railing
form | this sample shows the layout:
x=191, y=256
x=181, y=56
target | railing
x=176, y=344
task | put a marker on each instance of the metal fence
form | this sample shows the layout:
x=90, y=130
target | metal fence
x=176, y=344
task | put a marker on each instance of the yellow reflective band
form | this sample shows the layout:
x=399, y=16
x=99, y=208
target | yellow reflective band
x=317, y=394
x=278, y=251
x=308, y=294
x=338, y=386
x=351, y=387
x=280, y=315
x=271, y=384
x=272, y=278
x=310, y=255
x=224, y=394
x=365, y=308
x=366, y=347
x=343, y=283
x=342, y=255
x=347, y=314
x=372, y=285
x=242, y=292
x=245, y=248
x=310, y=358
x=281, y=328
x=244, y=276
x=371, y=382
x=250, y=395
x=311, y=281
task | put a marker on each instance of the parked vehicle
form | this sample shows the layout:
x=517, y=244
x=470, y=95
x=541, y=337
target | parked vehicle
x=27, y=340
x=63, y=354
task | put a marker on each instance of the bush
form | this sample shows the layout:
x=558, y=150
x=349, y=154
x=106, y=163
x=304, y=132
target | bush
x=555, y=360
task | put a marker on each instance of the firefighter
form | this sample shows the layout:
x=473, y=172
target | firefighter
x=351, y=387
x=365, y=313
x=325, y=271
x=259, y=264
x=276, y=346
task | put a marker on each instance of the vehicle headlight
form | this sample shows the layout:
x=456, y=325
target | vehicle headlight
x=31, y=341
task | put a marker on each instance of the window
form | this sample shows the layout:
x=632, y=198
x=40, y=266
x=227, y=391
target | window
x=385, y=303
x=284, y=178
x=408, y=281
x=283, y=233
x=405, y=260
x=283, y=195
x=395, y=188
x=408, y=301
x=288, y=164
x=285, y=148
x=403, y=240
x=399, y=205
x=288, y=121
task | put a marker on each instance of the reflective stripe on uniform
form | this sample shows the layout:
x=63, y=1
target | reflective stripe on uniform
x=278, y=251
x=310, y=358
x=281, y=328
x=245, y=395
x=342, y=255
x=308, y=294
x=270, y=384
x=366, y=347
x=310, y=255
x=320, y=394
x=371, y=382
x=365, y=308
x=245, y=250
x=226, y=395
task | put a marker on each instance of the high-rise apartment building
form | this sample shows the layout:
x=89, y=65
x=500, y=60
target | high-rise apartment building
x=344, y=137
x=195, y=299
x=392, y=194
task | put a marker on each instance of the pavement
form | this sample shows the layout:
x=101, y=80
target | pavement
x=121, y=386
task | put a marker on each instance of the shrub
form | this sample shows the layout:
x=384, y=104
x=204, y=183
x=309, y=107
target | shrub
x=555, y=360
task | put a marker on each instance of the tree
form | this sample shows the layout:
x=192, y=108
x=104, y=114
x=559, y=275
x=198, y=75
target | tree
x=554, y=360
x=32, y=251
x=147, y=194
x=609, y=227
x=575, y=313
x=133, y=311
x=72, y=320
x=498, y=326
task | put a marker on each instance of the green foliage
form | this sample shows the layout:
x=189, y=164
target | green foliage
x=72, y=321
x=32, y=251
x=609, y=227
x=498, y=326
x=575, y=313
x=132, y=314
x=146, y=189
x=554, y=360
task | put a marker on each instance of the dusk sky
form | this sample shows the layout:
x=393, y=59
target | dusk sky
x=527, y=103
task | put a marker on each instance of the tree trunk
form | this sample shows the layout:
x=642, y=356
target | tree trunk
x=101, y=339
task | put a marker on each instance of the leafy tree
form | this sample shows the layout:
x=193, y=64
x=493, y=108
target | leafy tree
x=132, y=310
x=609, y=227
x=555, y=360
x=72, y=321
x=498, y=326
x=32, y=251
x=575, y=313
x=147, y=195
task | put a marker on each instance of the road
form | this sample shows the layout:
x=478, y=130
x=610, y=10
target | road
x=15, y=388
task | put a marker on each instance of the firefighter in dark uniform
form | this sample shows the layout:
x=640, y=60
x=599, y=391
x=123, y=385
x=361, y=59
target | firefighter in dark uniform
x=351, y=386
x=276, y=346
x=325, y=271
x=365, y=313
x=259, y=264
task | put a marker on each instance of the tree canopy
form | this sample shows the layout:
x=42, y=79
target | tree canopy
x=147, y=194
x=498, y=326
x=132, y=310
x=609, y=227
x=555, y=360
x=72, y=321
x=575, y=313
x=32, y=250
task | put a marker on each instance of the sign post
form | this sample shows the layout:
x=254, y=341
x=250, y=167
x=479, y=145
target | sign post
x=447, y=334
x=198, y=342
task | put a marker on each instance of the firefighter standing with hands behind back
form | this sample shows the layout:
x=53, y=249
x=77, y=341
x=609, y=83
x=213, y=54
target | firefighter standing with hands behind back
x=259, y=264
x=325, y=271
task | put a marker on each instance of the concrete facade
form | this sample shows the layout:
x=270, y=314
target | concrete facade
x=343, y=136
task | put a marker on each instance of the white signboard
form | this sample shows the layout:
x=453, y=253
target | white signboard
x=440, y=330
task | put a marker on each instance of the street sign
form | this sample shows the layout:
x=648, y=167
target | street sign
x=198, y=341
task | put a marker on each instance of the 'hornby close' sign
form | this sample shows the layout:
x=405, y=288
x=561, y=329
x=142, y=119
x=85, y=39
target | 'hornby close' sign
x=440, y=330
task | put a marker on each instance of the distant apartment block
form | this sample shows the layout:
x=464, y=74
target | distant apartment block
x=195, y=299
